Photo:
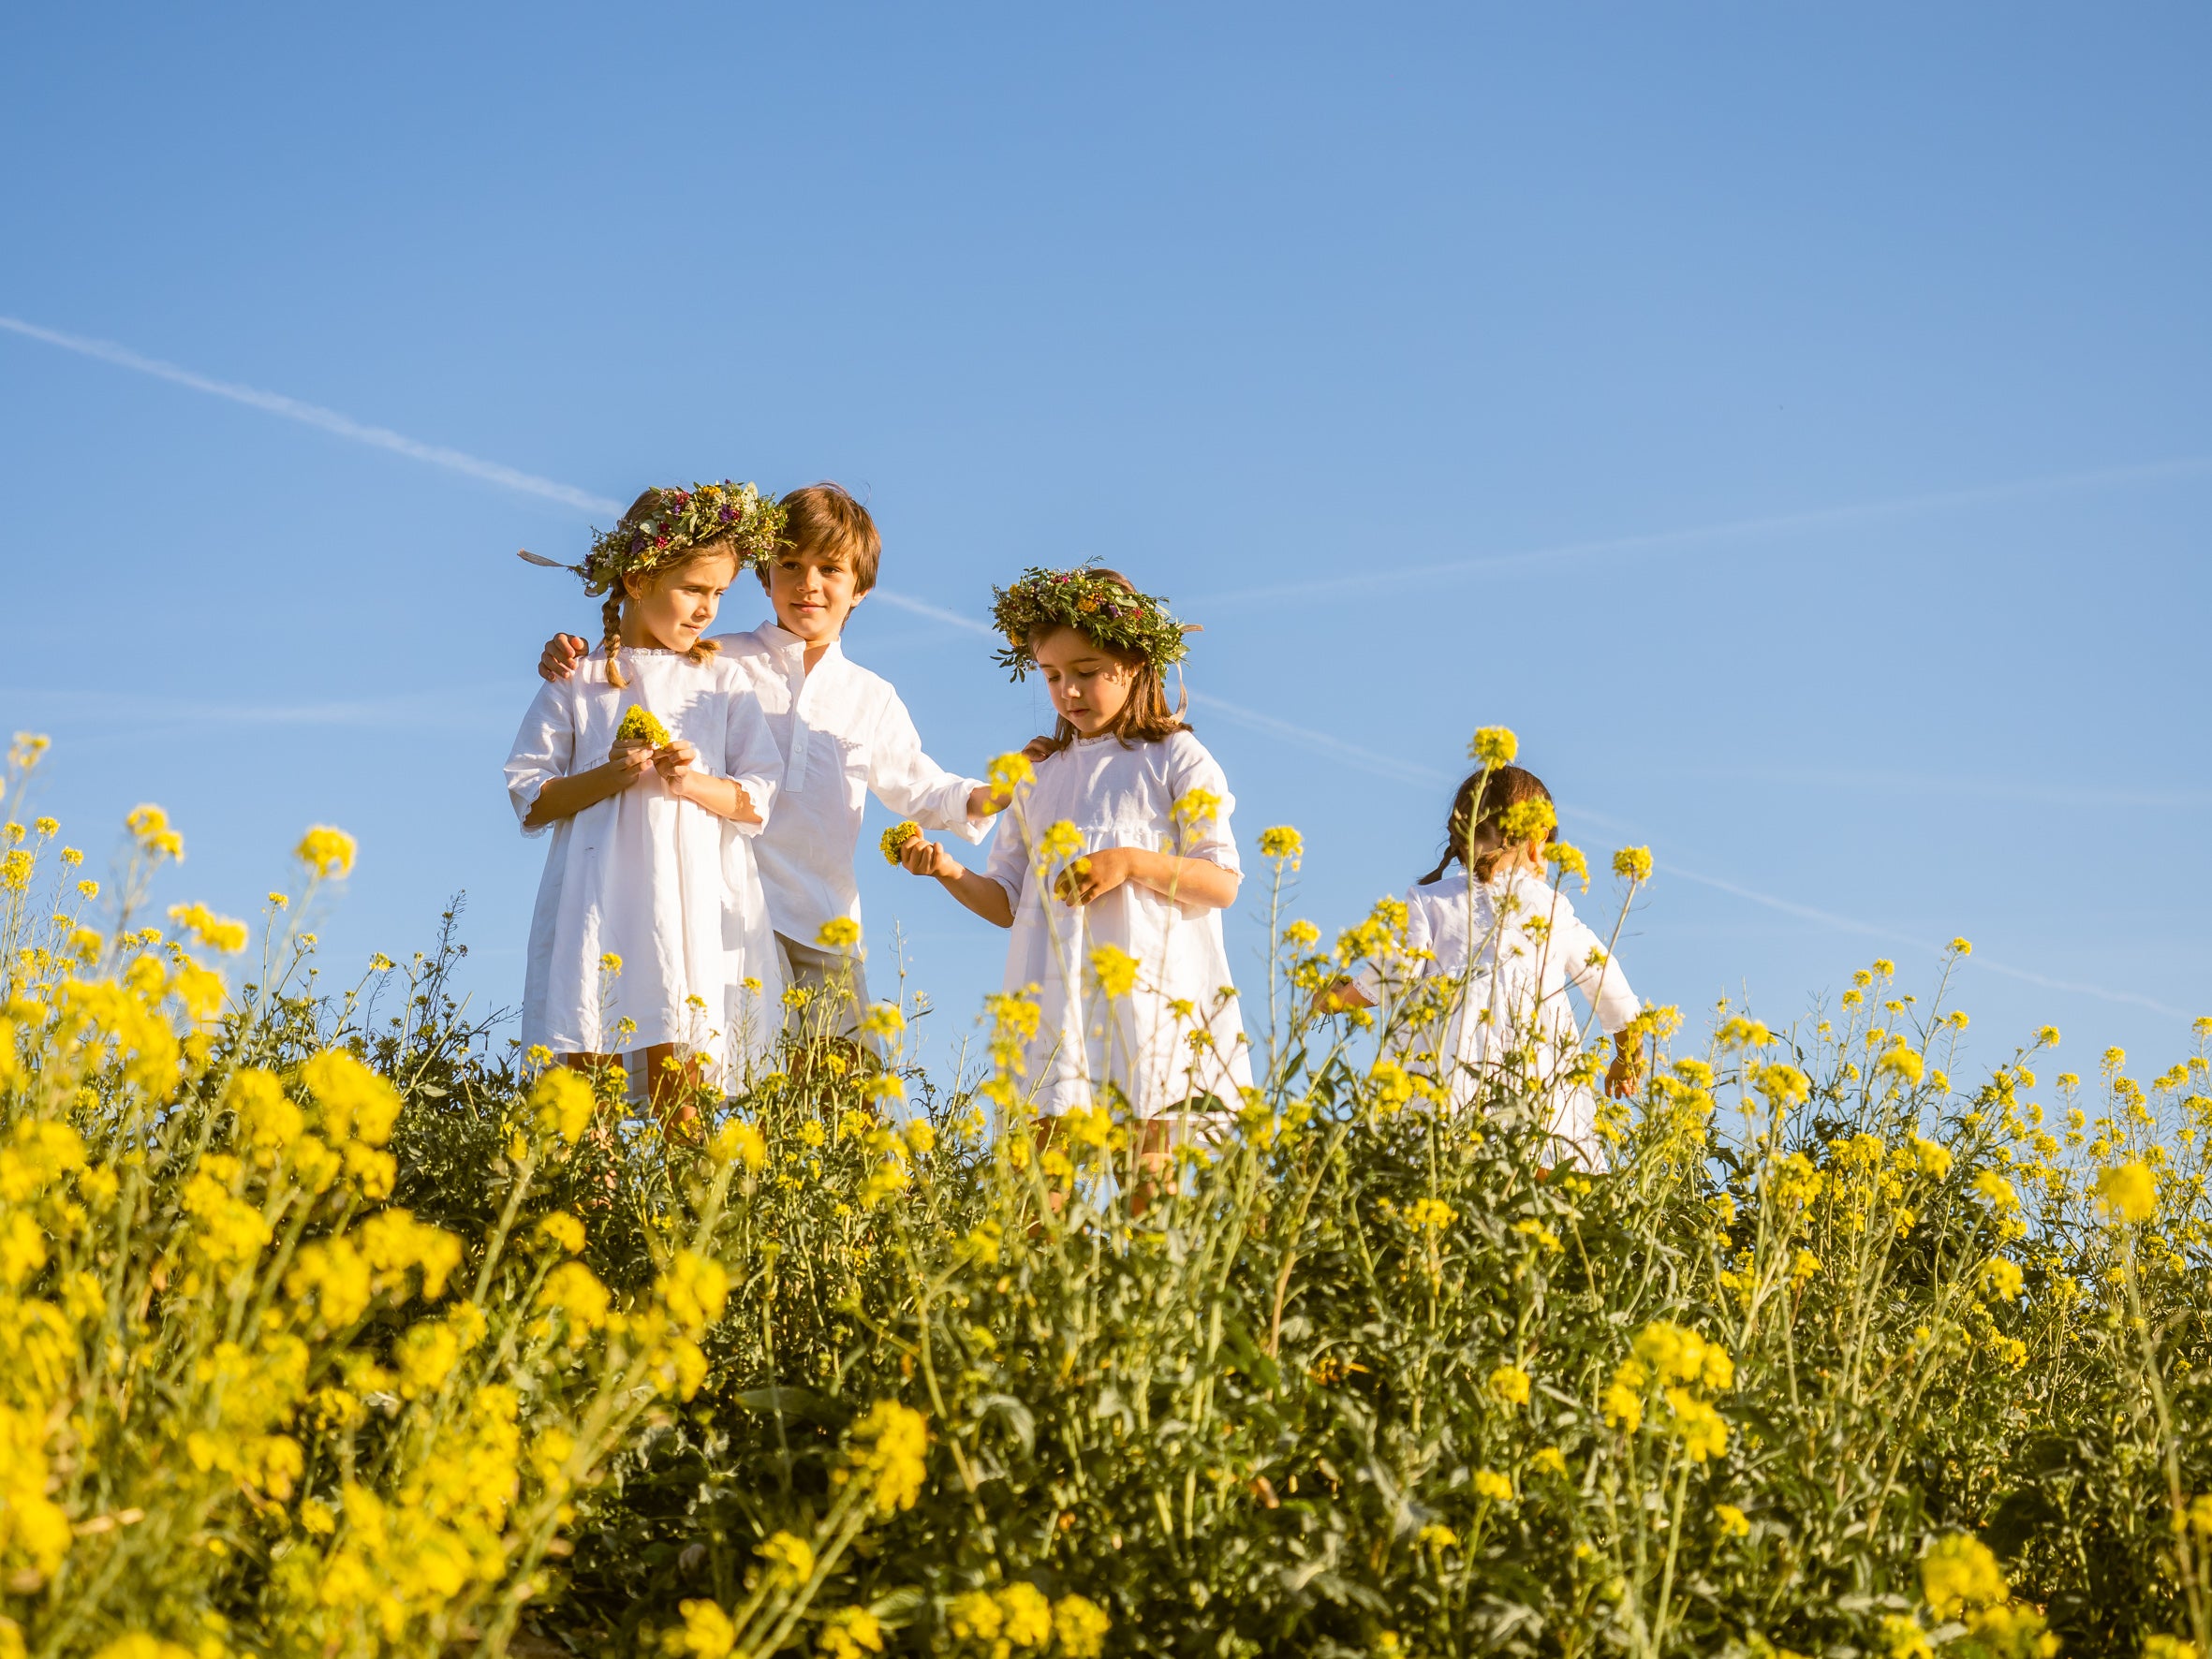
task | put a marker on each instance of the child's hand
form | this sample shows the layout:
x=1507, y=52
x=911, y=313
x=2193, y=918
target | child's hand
x=563, y=651
x=678, y=765
x=632, y=760
x=983, y=801
x=1094, y=875
x=926, y=857
x=1624, y=1075
x=1340, y=996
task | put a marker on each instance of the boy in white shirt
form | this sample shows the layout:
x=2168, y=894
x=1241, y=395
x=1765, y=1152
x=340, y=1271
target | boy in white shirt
x=842, y=732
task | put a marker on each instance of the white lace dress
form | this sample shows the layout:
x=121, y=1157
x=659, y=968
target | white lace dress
x=661, y=883
x=1141, y=1043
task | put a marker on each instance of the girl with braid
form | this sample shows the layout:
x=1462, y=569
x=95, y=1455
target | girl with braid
x=654, y=768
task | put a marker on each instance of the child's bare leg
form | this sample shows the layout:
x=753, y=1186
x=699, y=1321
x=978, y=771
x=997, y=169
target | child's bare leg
x=670, y=1086
x=1152, y=1142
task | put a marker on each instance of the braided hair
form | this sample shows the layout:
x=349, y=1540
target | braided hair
x=1472, y=835
x=611, y=607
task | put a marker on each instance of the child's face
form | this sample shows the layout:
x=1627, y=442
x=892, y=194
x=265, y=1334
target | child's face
x=1089, y=684
x=674, y=610
x=813, y=593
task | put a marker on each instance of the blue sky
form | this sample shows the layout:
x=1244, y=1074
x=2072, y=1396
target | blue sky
x=1793, y=421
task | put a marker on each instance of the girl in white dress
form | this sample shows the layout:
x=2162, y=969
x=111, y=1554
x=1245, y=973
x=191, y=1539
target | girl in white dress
x=653, y=767
x=1499, y=944
x=1113, y=869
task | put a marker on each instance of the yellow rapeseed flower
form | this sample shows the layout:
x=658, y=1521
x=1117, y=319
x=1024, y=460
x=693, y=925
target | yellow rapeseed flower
x=326, y=851
x=840, y=932
x=886, y=1455
x=1117, y=969
x=1080, y=1626
x=1493, y=1486
x=1509, y=1384
x=1958, y=1573
x=1493, y=746
x=789, y=1559
x=894, y=840
x=562, y=1103
x=1632, y=863
x=706, y=1634
x=2128, y=1192
x=1282, y=842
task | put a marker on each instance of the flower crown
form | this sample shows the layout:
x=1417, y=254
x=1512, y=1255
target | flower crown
x=1094, y=605
x=670, y=523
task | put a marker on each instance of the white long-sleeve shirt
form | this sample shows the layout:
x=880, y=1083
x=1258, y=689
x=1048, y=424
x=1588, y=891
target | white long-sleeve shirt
x=657, y=881
x=1140, y=1042
x=843, y=734
x=1510, y=948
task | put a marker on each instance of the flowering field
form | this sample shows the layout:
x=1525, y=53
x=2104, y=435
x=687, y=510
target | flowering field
x=332, y=1327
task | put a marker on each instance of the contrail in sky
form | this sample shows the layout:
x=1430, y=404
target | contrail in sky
x=1351, y=755
x=1728, y=530
x=329, y=420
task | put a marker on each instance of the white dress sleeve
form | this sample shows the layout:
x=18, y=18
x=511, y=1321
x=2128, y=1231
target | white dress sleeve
x=911, y=784
x=1584, y=957
x=1009, y=863
x=750, y=758
x=1208, y=837
x=544, y=749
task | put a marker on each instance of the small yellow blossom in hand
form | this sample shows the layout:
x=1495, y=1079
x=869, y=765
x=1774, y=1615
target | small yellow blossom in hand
x=640, y=726
x=840, y=932
x=1282, y=842
x=896, y=838
x=1494, y=746
x=327, y=852
x=2129, y=1192
x=1632, y=863
x=1490, y=1484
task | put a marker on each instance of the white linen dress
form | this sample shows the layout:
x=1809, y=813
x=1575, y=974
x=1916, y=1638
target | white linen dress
x=1513, y=946
x=1139, y=1043
x=662, y=883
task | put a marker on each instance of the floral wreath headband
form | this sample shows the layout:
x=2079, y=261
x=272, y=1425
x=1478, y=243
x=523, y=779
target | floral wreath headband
x=673, y=522
x=1092, y=603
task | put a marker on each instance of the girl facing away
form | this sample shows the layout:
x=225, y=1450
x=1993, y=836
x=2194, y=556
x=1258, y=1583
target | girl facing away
x=1112, y=869
x=654, y=768
x=1501, y=944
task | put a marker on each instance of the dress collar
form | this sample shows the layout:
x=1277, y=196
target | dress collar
x=781, y=640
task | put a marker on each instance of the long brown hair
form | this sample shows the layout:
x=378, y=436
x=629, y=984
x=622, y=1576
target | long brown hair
x=1472, y=835
x=611, y=607
x=1145, y=718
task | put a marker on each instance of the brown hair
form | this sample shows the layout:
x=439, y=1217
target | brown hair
x=825, y=519
x=1471, y=832
x=611, y=607
x=1145, y=718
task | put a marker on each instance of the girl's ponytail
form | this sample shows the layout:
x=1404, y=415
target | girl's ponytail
x=1471, y=833
x=610, y=621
